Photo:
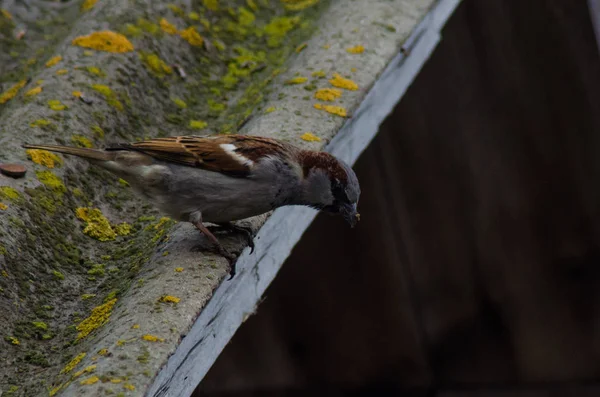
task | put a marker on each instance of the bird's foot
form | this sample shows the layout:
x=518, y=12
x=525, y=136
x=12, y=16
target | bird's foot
x=245, y=231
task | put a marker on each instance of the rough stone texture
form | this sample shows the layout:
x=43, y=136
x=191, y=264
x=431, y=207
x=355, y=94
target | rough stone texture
x=52, y=275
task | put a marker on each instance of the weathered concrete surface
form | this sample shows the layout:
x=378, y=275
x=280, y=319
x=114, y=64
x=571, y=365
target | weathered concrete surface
x=53, y=274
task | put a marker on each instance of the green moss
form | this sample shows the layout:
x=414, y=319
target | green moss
x=123, y=229
x=9, y=193
x=87, y=296
x=96, y=270
x=58, y=275
x=179, y=102
x=109, y=95
x=51, y=181
x=56, y=105
x=216, y=107
x=148, y=26
x=98, y=131
x=40, y=325
x=40, y=123
x=81, y=141
x=37, y=358
x=278, y=28
x=95, y=71
x=198, y=124
x=145, y=356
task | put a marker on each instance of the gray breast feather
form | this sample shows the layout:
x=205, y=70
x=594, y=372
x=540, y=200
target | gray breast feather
x=180, y=190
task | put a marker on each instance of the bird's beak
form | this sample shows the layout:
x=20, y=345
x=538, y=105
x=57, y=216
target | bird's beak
x=349, y=213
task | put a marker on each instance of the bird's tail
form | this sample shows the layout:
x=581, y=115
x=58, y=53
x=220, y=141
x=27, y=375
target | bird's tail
x=90, y=154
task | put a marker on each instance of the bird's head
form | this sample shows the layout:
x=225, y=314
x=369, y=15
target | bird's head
x=330, y=185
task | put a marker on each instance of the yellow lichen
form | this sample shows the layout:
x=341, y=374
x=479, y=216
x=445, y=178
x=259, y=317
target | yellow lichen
x=116, y=380
x=246, y=17
x=326, y=46
x=198, y=124
x=56, y=105
x=52, y=392
x=179, y=102
x=298, y=5
x=88, y=5
x=14, y=341
x=89, y=381
x=212, y=5
x=301, y=47
x=192, y=36
x=12, y=91
x=176, y=9
x=95, y=71
x=104, y=41
x=4, y=274
x=169, y=299
x=152, y=338
x=161, y=222
x=156, y=65
x=51, y=181
x=81, y=141
x=87, y=296
x=167, y=26
x=194, y=16
x=53, y=61
x=39, y=123
x=278, y=28
x=340, y=82
x=103, y=352
x=337, y=110
x=353, y=70
x=73, y=363
x=77, y=94
x=33, y=91
x=178, y=269
x=86, y=370
x=3, y=207
x=297, y=80
x=135, y=326
x=129, y=386
x=270, y=109
x=44, y=157
x=109, y=95
x=5, y=13
x=310, y=137
x=123, y=229
x=9, y=193
x=98, y=131
x=358, y=49
x=60, y=72
x=97, y=226
x=328, y=94
x=100, y=316
x=252, y=5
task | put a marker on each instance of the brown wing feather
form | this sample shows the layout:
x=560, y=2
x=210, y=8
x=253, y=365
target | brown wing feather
x=207, y=153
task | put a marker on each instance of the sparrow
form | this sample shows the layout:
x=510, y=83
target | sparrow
x=224, y=178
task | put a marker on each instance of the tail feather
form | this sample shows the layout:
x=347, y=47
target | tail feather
x=90, y=154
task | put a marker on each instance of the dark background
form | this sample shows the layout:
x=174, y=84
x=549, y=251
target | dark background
x=475, y=270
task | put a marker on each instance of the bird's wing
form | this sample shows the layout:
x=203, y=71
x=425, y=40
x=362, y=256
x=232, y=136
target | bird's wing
x=234, y=155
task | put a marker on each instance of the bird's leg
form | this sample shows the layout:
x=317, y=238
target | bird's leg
x=246, y=231
x=196, y=220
